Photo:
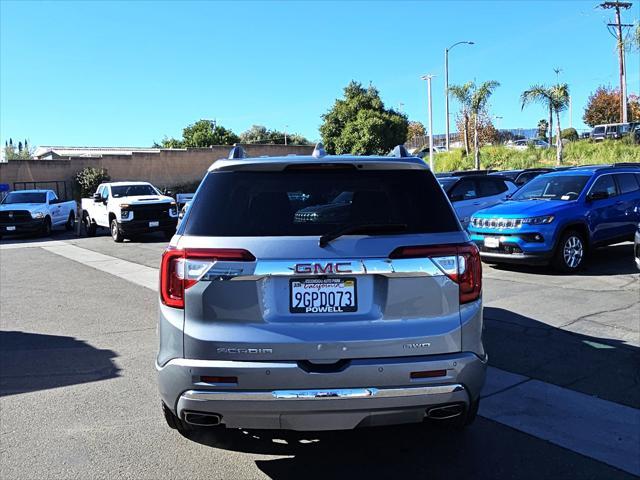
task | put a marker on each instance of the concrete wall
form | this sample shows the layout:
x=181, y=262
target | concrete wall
x=166, y=168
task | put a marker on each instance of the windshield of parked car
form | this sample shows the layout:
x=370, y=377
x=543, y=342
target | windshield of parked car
x=299, y=203
x=132, y=190
x=552, y=187
x=25, y=197
x=445, y=183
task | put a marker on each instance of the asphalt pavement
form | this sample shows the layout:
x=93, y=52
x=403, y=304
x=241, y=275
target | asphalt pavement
x=78, y=397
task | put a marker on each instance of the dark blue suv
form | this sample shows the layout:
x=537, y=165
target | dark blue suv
x=557, y=217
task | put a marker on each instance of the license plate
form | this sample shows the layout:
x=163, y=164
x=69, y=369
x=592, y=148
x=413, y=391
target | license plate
x=491, y=242
x=11, y=229
x=323, y=295
x=154, y=224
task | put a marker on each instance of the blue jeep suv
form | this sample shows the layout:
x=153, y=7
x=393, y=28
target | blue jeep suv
x=558, y=217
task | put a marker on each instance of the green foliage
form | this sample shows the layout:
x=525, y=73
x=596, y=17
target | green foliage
x=543, y=126
x=86, y=181
x=260, y=134
x=570, y=134
x=22, y=152
x=203, y=133
x=360, y=124
x=580, y=152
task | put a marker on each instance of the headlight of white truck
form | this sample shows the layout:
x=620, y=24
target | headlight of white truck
x=37, y=215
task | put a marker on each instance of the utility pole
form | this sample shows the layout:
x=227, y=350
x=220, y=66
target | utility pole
x=446, y=88
x=285, y=134
x=428, y=79
x=618, y=34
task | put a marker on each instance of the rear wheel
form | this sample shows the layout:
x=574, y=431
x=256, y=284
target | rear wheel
x=89, y=226
x=71, y=221
x=116, y=233
x=570, y=252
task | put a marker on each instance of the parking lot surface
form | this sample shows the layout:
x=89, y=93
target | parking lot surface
x=78, y=397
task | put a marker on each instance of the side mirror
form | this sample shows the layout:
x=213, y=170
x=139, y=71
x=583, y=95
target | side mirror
x=597, y=196
x=97, y=197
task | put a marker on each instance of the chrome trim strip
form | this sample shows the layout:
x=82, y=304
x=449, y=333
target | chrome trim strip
x=322, y=394
x=401, y=267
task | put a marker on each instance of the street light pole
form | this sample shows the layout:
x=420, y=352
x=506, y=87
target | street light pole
x=428, y=79
x=446, y=88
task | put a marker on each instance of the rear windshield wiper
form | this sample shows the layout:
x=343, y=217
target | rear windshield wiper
x=364, y=228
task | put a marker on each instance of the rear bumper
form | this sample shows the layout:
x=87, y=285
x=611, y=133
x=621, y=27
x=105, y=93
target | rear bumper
x=282, y=395
x=134, y=227
x=32, y=226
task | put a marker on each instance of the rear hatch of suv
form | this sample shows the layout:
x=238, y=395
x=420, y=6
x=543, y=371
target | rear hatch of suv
x=320, y=263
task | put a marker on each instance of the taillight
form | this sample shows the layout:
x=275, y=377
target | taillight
x=181, y=269
x=461, y=263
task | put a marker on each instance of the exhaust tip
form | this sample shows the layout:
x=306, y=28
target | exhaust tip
x=445, y=412
x=202, y=419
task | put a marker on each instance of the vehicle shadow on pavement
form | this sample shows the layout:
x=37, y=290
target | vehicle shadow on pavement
x=612, y=260
x=26, y=239
x=605, y=367
x=406, y=451
x=32, y=361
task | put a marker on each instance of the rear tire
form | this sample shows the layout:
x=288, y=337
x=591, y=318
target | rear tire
x=71, y=221
x=570, y=252
x=89, y=226
x=116, y=233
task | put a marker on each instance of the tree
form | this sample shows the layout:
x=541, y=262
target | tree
x=556, y=98
x=203, y=133
x=415, y=129
x=260, y=134
x=22, y=152
x=603, y=106
x=543, y=126
x=478, y=105
x=360, y=124
x=487, y=133
x=462, y=93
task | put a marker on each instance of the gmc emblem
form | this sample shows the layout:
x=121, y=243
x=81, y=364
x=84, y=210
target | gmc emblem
x=323, y=268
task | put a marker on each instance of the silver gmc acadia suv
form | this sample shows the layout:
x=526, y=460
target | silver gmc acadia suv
x=320, y=292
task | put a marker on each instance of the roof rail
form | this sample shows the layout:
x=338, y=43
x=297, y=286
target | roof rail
x=319, y=151
x=399, y=151
x=236, y=152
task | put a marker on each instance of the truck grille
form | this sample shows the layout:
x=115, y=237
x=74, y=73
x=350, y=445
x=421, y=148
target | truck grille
x=11, y=217
x=158, y=211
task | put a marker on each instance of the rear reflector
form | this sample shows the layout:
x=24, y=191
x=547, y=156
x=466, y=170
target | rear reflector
x=207, y=379
x=429, y=374
x=181, y=269
x=461, y=263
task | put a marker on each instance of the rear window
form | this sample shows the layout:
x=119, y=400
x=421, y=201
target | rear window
x=312, y=202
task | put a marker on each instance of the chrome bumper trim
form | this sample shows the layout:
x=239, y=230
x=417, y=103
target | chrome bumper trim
x=322, y=394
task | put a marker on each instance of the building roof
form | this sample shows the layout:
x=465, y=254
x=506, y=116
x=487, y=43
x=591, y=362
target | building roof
x=61, y=151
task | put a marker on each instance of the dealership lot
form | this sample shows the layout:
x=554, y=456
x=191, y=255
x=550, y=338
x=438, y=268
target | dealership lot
x=78, y=396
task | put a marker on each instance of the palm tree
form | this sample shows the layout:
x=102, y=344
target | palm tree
x=479, y=100
x=556, y=99
x=462, y=93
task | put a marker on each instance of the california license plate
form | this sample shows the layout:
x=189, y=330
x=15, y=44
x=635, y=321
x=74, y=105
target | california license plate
x=323, y=295
x=154, y=224
x=11, y=229
x=491, y=242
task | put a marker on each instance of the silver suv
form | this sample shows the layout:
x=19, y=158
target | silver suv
x=320, y=292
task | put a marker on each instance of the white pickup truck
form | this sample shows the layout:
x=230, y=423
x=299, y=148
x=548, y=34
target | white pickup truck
x=35, y=211
x=128, y=209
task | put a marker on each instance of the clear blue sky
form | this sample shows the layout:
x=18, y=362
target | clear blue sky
x=115, y=73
